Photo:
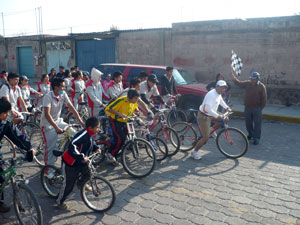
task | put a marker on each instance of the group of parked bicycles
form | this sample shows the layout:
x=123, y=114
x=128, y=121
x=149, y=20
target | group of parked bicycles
x=148, y=141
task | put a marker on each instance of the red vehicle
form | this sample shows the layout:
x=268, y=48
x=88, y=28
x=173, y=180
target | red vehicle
x=192, y=92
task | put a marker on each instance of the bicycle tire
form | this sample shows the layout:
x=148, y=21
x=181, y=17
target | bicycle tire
x=31, y=200
x=160, y=148
x=71, y=119
x=27, y=128
x=52, y=186
x=102, y=191
x=7, y=148
x=175, y=116
x=104, y=146
x=37, y=141
x=187, y=135
x=137, y=154
x=171, y=138
x=236, y=146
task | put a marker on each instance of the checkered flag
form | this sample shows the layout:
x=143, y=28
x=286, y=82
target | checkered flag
x=236, y=63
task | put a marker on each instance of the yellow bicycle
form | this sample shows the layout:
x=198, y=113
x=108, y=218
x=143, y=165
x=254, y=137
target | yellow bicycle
x=37, y=140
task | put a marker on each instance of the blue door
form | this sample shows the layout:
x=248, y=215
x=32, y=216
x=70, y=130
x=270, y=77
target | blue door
x=25, y=61
x=91, y=53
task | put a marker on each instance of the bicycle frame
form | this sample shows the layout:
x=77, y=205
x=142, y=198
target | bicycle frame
x=11, y=171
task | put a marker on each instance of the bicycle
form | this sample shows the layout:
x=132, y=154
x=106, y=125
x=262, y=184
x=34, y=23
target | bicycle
x=138, y=155
x=168, y=134
x=26, y=126
x=175, y=114
x=26, y=205
x=230, y=141
x=159, y=146
x=37, y=140
x=83, y=113
x=100, y=199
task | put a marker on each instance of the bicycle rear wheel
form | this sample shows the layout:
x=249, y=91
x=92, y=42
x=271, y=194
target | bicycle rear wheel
x=138, y=158
x=7, y=148
x=27, y=207
x=38, y=143
x=176, y=116
x=104, y=146
x=232, y=142
x=28, y=127
x=52, y=179
x=171, y=138
x=187, y=135
x=101, y=198
x=160, y=148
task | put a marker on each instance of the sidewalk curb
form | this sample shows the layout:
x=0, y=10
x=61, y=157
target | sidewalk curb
x=273, y=117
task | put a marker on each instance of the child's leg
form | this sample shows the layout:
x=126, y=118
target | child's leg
x=50, y=138
x=70, y=176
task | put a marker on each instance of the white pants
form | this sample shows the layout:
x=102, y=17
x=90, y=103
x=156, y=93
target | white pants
x=76, y=99
x=50, y=136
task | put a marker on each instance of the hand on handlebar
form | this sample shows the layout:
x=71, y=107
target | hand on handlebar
x=124, y=117
x=59, y=130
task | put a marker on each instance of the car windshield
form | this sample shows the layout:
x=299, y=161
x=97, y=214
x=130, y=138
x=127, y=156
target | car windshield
x=183, y=77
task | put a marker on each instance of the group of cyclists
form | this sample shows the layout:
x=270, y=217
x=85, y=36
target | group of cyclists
x=70, y=87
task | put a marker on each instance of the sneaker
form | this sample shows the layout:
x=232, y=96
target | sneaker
x=3, y=207
x=63, y=206
x=214, y=135
x=110, y=158
x=256, y=142
x=196, y=155
x=50, y=175
x=249, y=137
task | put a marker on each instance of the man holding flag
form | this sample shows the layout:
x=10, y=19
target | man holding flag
x=255, y=99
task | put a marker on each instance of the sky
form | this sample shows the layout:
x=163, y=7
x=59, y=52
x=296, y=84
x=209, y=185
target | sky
x=60, y=17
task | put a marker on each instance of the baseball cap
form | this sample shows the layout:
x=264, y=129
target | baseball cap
x=152, y=77
x=255, y=75
x=221, y=83
x=23, y=78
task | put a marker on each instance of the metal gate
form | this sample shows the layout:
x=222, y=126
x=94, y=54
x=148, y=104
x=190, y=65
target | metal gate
x=91, y=53
x=58, y=54
x=25, y=61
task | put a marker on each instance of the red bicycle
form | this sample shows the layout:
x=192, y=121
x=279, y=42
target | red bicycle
x=231, y=141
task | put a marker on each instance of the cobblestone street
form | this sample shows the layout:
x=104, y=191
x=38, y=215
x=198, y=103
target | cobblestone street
x=263, y=187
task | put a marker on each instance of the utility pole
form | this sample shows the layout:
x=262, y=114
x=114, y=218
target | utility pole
x=5, y=45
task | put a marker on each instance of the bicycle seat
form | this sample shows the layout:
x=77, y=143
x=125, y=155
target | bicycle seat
x=82, y=103
x=57, y=153
x=193, y=110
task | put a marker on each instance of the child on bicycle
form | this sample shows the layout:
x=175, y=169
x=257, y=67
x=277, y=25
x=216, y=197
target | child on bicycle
x=11, y=131
x=118, y=111
x=75, y=159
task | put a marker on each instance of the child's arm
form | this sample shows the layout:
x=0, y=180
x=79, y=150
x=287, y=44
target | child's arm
x=75, y=147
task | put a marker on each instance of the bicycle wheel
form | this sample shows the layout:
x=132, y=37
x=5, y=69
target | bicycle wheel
x=27, y=207
x=102, y=197
x=187, y=135
x=52, y=179
x=171, y=138
x=232, y=142
x=7, y=148
x=160, y=148
x=138, y=158
x=71, y=119
x=104, y=146
x=28, y=127
x=38, y=143
x=176, y=116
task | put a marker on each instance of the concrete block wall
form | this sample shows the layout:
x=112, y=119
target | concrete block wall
x=150, y=47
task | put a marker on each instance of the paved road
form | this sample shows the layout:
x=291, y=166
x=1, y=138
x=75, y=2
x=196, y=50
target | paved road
x=263, y=187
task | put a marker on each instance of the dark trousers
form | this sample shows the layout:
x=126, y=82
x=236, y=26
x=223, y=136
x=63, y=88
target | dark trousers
x=119, y=131
x=253, y=116
x=71, y=174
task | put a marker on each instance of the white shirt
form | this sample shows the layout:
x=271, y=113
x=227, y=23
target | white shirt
x=211, y=102
x=94, y=92
x=25, y=90
x=149, y=92
x=55, y=103
x=12, y=94
x=79, y=86
x=115, y=90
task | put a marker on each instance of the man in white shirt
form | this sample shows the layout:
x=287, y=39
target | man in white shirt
x=149, y=88
x=12, y=93
x=208, y=112
x=51, y=122
x=116, y=86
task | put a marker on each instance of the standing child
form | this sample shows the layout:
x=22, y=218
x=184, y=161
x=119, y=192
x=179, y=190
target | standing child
x=75, y=159
x=78, y=86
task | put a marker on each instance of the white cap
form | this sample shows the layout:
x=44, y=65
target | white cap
x=221, y=83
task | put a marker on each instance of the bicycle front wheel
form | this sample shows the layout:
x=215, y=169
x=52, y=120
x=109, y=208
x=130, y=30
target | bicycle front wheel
x=171, y=138
x=232, y=142
x=138, y=158
x=38, y=143
x=187, y=135
x=27, y=207
x=102, y=195
x=28, y=127
x=176, y=116
x=160, y=148
x=52, y=179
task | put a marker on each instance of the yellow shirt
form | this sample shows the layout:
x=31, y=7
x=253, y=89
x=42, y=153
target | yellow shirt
x=123, y=106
